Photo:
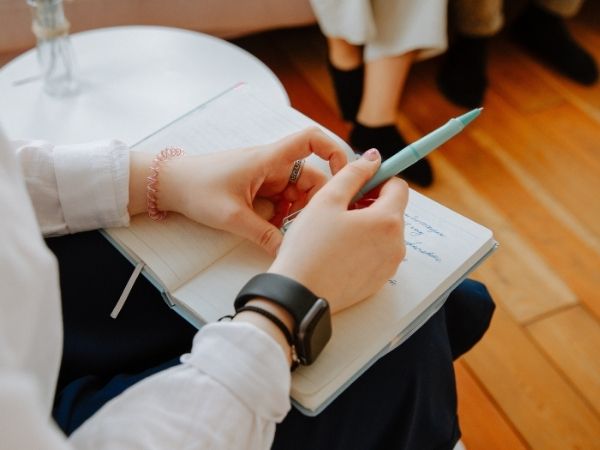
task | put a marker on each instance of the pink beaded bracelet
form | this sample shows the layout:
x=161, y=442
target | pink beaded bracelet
x=152, y=188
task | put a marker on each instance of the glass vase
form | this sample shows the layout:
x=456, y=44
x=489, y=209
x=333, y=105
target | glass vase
x=54, y=51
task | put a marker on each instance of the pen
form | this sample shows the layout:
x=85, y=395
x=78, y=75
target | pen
x=409, y=155
x=417, y=150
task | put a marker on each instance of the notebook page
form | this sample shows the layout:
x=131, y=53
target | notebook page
x=441, y=246
x=178, y=248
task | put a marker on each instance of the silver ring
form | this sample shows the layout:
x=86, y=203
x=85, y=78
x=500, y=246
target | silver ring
x=296, y=171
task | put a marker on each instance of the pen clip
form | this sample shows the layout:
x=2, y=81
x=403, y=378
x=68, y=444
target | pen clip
x=287, y=221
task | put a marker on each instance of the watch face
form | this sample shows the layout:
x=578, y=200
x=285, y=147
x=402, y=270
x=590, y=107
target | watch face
x=314, y=332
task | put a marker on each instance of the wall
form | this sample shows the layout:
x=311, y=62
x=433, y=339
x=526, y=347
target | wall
x=223, y=18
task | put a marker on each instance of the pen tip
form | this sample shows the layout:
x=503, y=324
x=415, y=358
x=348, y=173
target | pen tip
x=467, y=118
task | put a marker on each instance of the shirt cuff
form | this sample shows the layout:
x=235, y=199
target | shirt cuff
x=249, y=363
x=93, y=184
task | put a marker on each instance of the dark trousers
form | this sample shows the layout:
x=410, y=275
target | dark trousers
x=406, y=400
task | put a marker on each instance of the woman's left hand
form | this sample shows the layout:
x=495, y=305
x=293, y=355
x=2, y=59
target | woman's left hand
x=247, y=191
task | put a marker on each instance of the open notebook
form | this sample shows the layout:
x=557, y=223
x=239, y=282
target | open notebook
x=200, y=270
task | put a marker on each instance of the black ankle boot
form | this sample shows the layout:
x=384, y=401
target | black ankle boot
x=545, y=36
x=388, y=141
x=462, y=76
x=348, y=86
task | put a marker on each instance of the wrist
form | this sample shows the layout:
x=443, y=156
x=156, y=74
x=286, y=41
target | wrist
x=310, y=314
x=139, y=171
x=171, y=185
x=268, y=325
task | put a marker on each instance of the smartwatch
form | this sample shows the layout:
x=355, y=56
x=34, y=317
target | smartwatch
x=311, y=314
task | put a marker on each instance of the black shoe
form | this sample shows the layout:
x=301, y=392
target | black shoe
x=546, y=37
x=348, y=87
x=462, y=76
x=388, y=141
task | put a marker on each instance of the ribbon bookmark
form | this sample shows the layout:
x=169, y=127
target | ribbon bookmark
x=136, y=273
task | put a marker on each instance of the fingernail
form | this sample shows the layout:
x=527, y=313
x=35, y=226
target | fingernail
x=371, y=155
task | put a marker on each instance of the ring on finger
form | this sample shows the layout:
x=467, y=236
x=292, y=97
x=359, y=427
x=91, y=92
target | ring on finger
x=296, y=171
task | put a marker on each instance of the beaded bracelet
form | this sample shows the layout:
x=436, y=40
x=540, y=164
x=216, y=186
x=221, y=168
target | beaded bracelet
x=152, y=188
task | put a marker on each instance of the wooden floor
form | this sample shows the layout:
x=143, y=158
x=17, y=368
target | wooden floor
x=529, y=169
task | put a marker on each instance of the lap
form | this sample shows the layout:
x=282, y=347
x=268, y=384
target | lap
x=407, y=399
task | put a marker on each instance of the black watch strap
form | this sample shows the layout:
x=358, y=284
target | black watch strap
x=271, y=286
x=312, y=320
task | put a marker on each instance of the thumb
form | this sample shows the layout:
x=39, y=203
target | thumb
x=348, y=181
x=259, y=231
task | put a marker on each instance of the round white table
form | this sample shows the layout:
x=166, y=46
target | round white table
x=134, y=80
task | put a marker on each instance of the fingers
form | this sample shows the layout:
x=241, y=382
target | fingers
x=264, y=208
x=310, y=181
x=342, y=188
x=393, y=196
x=259, y=231
x=313, y=140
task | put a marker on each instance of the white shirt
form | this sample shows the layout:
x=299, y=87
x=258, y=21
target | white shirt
x=228, y=393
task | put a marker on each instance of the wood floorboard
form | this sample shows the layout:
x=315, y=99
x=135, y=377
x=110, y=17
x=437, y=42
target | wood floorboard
x=578, y=142
x=571, y=256
x=489, y=429
x=533, y=150
x=526, y=284
x=571, y=339
x=539, y=401
x=510, y=74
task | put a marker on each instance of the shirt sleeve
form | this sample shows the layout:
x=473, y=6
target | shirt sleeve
x=76, y=187
x=227, y=394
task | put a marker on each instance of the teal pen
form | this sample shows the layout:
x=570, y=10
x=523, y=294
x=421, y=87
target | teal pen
x=408, y=155
x=417, y=150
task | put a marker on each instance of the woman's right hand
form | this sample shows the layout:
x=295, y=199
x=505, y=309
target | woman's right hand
x=346, y=255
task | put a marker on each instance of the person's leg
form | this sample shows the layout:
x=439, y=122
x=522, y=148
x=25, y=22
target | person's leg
x=375, y=125
x=384, y=82
x=347, y=71
x=346, y=25
x=477, y=17
x=101, y=355
x=82, y=397
x=405, y=30
x=368, y=94
x=469, y=310
x=563, y=8
x=542, y=31
x=386, y=35
x=406, y=400
x=146, y=333
x=462, y=77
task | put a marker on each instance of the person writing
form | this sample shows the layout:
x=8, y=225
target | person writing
x=232, y=388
